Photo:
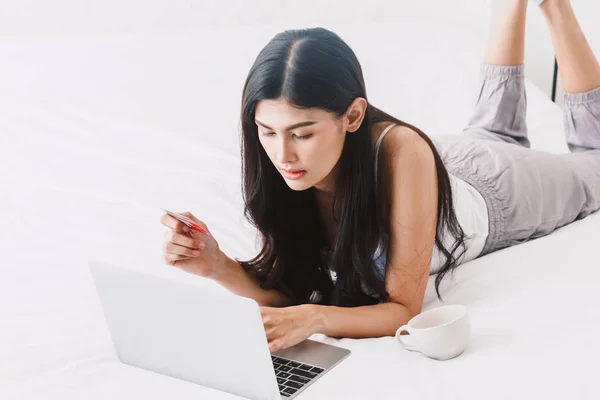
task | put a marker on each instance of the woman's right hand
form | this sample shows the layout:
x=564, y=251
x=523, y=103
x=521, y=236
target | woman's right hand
x=188, y=249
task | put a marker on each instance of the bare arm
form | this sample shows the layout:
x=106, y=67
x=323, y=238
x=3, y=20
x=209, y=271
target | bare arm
x=413, y=216
x=361, y=322
x=230, y=274
x=200, y=255
x=288, y=326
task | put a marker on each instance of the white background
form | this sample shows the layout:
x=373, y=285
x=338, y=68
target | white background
x=39, y=18
x=35, y=18
x=75, y=112
x=66, y=17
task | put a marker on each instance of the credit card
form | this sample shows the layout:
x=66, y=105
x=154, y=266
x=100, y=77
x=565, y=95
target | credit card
x=187, y=221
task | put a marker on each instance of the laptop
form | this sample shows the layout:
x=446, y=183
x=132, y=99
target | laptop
x=203, y=334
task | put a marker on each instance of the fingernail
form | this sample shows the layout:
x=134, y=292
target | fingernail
x=195, y=253
x=201, y=245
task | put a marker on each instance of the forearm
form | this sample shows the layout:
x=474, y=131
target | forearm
x=230, y=274
x=361, y=322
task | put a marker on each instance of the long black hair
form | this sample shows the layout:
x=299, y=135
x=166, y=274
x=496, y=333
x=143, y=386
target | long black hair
x=315, y=68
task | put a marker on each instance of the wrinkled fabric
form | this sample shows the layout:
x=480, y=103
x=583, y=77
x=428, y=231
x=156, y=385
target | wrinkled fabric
x=529, y=193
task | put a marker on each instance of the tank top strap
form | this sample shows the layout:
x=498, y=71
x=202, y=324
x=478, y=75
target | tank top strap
x=378, y=144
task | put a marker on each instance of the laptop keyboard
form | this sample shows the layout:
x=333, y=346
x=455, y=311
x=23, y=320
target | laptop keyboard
x=293, y=375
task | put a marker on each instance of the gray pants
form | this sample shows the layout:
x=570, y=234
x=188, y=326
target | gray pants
x=529, y=193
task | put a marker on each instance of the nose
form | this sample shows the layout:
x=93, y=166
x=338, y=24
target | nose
x=285, y=153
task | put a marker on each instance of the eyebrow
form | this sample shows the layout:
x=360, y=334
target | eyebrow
x=289, y=128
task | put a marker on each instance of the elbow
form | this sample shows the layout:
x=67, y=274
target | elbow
x=404, y=313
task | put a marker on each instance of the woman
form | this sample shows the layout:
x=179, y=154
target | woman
x=357, y=208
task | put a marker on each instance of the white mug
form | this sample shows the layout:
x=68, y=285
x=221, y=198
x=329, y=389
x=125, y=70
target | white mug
x=440, y=333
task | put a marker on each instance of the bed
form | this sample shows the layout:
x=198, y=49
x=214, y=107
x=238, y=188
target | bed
x=99, y=132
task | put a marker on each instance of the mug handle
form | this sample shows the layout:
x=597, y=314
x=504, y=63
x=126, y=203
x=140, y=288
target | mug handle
x=407, y=346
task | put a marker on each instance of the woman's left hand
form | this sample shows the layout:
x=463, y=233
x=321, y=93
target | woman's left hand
x=288, y=326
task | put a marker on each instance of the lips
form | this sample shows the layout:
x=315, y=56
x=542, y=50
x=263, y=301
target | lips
x=293, y=174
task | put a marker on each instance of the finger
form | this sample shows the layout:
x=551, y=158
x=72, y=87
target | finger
x=266, y=319
x=271, y=333
x=274, y=346
x=172, y=248
x=174, y=224
x=266, y=310
x=173, y=259
x=190, y=215
x=183, y=240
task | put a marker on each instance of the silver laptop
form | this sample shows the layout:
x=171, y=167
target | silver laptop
x=203, y=334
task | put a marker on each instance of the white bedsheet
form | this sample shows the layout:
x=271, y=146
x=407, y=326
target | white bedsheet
x=98, y=133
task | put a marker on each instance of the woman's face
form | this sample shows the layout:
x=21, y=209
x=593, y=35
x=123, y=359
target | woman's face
x=304, y=145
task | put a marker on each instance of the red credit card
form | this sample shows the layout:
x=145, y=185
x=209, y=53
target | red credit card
x=188, y=222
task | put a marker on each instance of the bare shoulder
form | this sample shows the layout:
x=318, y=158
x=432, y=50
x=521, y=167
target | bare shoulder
x=402, y=145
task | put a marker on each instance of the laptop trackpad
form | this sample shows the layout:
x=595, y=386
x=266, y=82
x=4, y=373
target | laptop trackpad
x=314, y=353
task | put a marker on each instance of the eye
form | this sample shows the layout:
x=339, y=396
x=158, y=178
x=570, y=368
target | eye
x=267, y=133
x=303, y=137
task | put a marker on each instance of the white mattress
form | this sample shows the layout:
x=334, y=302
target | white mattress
x=98, y=133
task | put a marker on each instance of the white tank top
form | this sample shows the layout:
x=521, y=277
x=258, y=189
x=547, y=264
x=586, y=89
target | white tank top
x=471, y=212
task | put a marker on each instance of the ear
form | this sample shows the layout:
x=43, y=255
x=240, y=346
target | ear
x=355, y=114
